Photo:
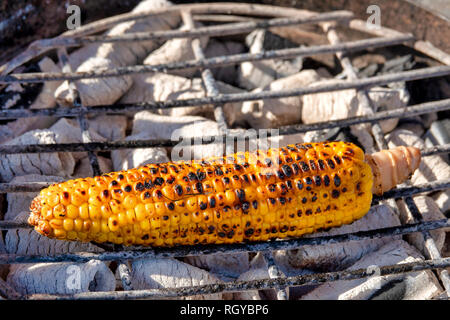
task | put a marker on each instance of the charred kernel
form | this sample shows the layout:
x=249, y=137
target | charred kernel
x=312, y=164
x=170, y=206
x=120, y=177
x=321, y=164
x=304, y=166
x=201, y=175
x=170, y=180
x=299, y=185
x=248, y=232
x=337, y=159
x=255, y=204
x=147, y=195
x=212, y=202
x=139, y=186
x=272, y=187
x=219, y=172
x=317, y=181
x=178, y=189
x=335, y=193
x=295, y=168
x=221, y=234
x=127, y=188
x=274, y=230
x=272, y=200
x=331, y=164
x=226, y=180
x=245, y=206
x=304, y=200
x=164, y=170
x=245, y=178
x=314, y=199
x=308, y=180
x=282, y=200
x=308, y=212
x=358, y=186
x=344, y=189
x=203, y=206
x=287, y=170
x=240, y=193
x=199, y=187
x=280, y=174
x=337, y=180
x=211, y=229
x=158, y=181
x=105, y=193
x=318, y=210
x=148, y=184
x=289, y=184
x=268, y=162
x=299, y=213
x=114, y=183
x=230, y=234
x=326, y=180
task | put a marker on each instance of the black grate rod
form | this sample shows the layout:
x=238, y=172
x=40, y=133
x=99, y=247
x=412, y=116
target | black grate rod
x=312, y=279
x=192, y=250
x=207, y=77
x=350, y=46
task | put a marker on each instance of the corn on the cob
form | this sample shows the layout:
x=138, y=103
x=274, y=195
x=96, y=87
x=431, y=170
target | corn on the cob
x=277, y=193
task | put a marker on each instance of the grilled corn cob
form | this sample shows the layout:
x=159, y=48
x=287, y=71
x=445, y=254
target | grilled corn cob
x=277, y=193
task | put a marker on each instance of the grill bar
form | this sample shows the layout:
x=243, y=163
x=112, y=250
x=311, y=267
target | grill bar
x=182, y=251
x=312, y=279
x=430, y=72
x=211, y=31
x=209, y=62
x=292, y=129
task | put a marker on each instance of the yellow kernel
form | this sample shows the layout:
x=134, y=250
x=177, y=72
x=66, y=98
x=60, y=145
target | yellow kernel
x=94, y=212
x=140, y=211
x=145, y=225
x=150, y=208
x=59, y=211
x=96, y=227
x=60, y=233
x=84, y=211
x=160, y=208
x=104, y=226
x=71, y=235
x=72, y=211
x=87, y=225
x=230, y=197
x=123, y=219
x=76, y=198
x=101, y=237
x=78, y=224
x=96, y=201
x=82, y=236
x=56, y=223
x=113, y=223
x=47, y=212
x=116, y=206
x=185, y=218
x=105, y=211
x=155, y=222
x=52, y=199
x=131, y=216
x=68, y=224
x=130, y=202
x=137, y=230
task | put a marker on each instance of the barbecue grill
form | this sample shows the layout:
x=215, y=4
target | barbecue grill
x=240, y=18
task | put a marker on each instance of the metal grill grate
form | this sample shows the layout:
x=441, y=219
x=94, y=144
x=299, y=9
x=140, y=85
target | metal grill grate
x=279, y=17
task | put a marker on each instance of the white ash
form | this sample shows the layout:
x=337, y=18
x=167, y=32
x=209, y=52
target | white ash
x=272, y=113
x=170, y=273
x=258, y=74
x=84, y=168
x=57, y=163
x=20, y=201
x=124, y=159
x=176, y=50
x=30, y=242
x=338, y=256
x=431, y=168
x=216, y=48
x=429, y=211
x=258, y=271
x=104, y=91
x=110, y=127
x=165, y=127
x=68, y=131
x=61, y=278
x=157, y=87
x=223, y=266
x=326, y=106
x=44, y=100
x=395, y=252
